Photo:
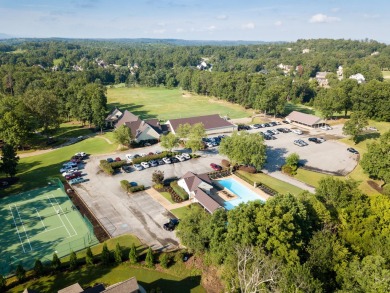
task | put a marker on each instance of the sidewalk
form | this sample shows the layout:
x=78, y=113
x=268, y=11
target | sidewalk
x=164, y=202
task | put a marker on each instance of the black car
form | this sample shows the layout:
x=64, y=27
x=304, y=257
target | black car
x=175, y=160
x=353, y=151
x=313, y=139
x=170, y=226
x=160, y=162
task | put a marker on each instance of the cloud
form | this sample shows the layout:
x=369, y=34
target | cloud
x=159, y=31
x=278, y=23
x=222, y=17
x=180, y=30
x=322, y=18
x=336, y=9
x=248, y=26
x=211, y=28
x=371, y=16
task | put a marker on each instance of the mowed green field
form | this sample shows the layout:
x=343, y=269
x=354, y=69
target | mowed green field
x=166, y=104
x=386, y=75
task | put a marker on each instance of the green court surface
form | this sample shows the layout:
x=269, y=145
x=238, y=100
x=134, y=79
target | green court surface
x=37, y=223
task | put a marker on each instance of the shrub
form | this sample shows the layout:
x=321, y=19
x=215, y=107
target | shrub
x=73, y=260
x=20, y=273
x=179, y=190
x=55, y=263
x=38, y=268
x=105, y=255
x=119, y=164
x=106, y=167
x=133, y=189
x=248, y=169
x=118, y=254
x=153, y=157
x=125, y=185
x=225, y=163
x=164, y=260
x=288, y=170
x=149, y=260
x=158, y=177
x=158, y=186
x=133, y=254
x=89, y=257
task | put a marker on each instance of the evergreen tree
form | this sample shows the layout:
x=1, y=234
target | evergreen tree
x=3, y=283
x=105, y=256
x=149, y=260
x=55, y=263
x=72, y=260
x=118, y=254
x=133, y=254
x=164, y=260
x=9, y=160
x=38, y=268
x=20, y=273
x=89, y=257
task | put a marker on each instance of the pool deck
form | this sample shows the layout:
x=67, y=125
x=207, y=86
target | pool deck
x=264, y=196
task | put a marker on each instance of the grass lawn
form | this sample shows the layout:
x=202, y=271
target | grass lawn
x=180, y=213
x=34, y=171
x=167, y=196
x=386, y=75
x=177, y=278
x=72, y=129
x=167, y=104
x=310, y=177
x=276, y=184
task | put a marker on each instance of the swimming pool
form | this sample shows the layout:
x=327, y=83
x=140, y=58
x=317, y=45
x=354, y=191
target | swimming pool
x=244, y=194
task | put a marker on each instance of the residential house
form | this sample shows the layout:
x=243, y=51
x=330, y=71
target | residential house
x=113, y=117
x=340, y=72
x=141, y=130
x=321, y=79
x=212, y=123
x=304, y=51
x=286, y=68
x=199, y=187
x=359, y=77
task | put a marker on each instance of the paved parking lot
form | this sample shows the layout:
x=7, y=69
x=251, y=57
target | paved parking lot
x=138, y=214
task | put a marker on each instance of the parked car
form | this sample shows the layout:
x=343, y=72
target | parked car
x=117, y=159
x=160, y=162
x=70, y=171
x=67, y=168
x=138, y=167
x=153, y=163
x=297, y=131
x=129, y=157
x=180, y=158
x=76, y=180
x=126, y=169
x=285, y=122
x=325, y=127
x=174, y=160
x=274, y=131
x=171, y=225
x=321, y=139
x=73, y=175
x=70, y=164
x=167, y=160
x=215, y=167
x=313, y=139
x=132, y=183
x=186, y=156
x=145, y=164
x=300, y=142
x=353, y=151
x=81, y=154
x=110, y=160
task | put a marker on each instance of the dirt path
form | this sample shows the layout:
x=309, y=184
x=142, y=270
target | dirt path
x=35, y=153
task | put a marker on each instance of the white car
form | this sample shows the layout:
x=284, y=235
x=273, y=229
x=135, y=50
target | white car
x=67, y=169
x=138, y=167
x=80, y=154
x=297, y=131
x=325, y=127
x=129, y=157
x=69, y=172
x=167, y=160
x=145, y=164
x=186, y=156
x=143, y=154
x=180, y=158
x=321, y=139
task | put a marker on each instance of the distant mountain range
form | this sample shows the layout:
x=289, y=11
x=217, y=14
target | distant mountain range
x=177, y=42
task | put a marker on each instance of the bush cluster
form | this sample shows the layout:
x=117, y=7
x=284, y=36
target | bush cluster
x=119, y=164
x=125, y=185
x=106, y=167
x=142, y=143
x=179, y=190
x=133, y=189
x=248, y=169
x=153, y=157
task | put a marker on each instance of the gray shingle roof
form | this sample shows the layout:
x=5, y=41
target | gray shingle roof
x=303, y=118
x=209, y=121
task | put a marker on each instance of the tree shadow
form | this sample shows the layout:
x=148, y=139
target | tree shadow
x=275, y=158
x=135, y=109
x=185, y=285
x=369, y=135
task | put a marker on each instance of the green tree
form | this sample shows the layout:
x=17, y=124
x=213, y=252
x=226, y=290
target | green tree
x=105, y=255
x=183, y=130
x=158, y=177
x=73, y=260
x=164, y=260
x=244, y=148
x=292, y=161
x=376, y=162
x=195, y=142
x=55, y=263
x=122, y=135
x=38, y=268
x=118, y=254
x=89, y=257
x=149, y=259
x=9, y=160
x=133, y=254
x=169, y=141
x=3, y=283
x=20, y=273
x=355, y=125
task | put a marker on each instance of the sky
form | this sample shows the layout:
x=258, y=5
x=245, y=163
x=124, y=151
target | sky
x=251, y=20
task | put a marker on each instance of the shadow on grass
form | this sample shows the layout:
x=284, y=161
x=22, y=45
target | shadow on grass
x=133, y=108
x=182, y=286
x=296, y=107
x=365, y=136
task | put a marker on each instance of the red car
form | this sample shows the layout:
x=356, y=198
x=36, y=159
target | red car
x=216, y=167
x=73, y=175
x=117, y=159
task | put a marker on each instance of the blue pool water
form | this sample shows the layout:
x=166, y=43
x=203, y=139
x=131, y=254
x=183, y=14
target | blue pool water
x=244, y=194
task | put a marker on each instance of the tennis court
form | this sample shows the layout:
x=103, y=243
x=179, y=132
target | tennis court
x=38, y=223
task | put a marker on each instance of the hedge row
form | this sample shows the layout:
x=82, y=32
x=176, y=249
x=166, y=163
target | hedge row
x=133, y=189
x=125, y=185
x=118, y=164
x=153, y=157
x=248, y=169
x=106, y=167
x=179, y=190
